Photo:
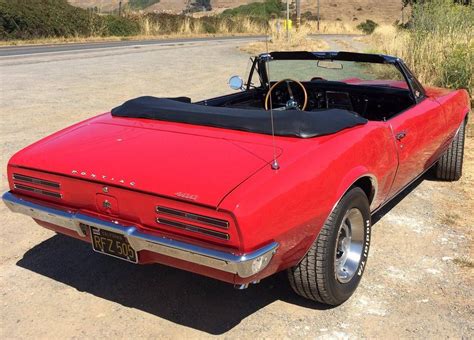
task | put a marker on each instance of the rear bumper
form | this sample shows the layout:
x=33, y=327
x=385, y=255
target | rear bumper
x=243, y=265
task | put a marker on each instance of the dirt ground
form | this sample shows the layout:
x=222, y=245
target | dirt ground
x=418, y=283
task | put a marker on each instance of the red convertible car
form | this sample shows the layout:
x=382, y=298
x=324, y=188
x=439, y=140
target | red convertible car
x=282, y=175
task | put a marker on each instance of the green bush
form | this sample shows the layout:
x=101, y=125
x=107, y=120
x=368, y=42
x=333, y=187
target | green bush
x=437, y=43
x=457, y=72
x=141, y=4
x=442, y=42
x=26, y=19
x=265, y=10
x=309, y=16
x=168, y=23
x=198, y=6
x=33, y=19
x=368, y=27
x=119, y=26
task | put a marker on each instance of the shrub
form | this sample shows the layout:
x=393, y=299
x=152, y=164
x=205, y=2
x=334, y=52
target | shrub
x=265, y=10
x=442, y=43
x=438, y=44
x=163, y=23
x=199, y=4
x=32, y=19
x=367, y=27
x=119, y=26
x=141, y=4
x=309, y=16
x=23, y=19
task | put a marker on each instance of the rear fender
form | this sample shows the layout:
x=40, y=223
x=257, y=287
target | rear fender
x=347, y=182
x=456, y=105
x=350, y=179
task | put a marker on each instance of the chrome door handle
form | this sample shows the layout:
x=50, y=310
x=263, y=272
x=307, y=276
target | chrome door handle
x=401, y=135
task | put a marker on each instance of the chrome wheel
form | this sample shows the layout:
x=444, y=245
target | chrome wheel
x=332, y=268
x=349, y=245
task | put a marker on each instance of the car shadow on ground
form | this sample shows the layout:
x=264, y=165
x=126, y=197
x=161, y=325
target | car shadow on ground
x=181, y=297
x=377, y=216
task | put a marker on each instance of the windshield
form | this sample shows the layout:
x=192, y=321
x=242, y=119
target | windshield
x=356, y=73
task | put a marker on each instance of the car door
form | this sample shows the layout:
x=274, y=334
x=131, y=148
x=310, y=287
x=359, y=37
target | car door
x=419, y=134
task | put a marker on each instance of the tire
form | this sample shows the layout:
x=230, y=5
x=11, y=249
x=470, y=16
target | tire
x=449, y=166
x=319, y=276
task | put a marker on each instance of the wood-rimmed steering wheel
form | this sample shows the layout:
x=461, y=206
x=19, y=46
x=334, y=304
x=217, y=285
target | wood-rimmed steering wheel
x=292, y=103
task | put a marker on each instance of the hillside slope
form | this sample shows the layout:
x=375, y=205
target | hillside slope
x=346, y=10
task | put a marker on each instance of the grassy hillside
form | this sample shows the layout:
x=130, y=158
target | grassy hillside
x=386, y=11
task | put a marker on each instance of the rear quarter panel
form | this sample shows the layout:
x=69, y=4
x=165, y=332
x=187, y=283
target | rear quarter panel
x=456, y=105
x=290, y=205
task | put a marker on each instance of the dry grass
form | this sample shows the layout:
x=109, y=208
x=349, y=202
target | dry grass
x=464, y=261
x=444, y=60
x=188, y=27
x=389, y=38
x=299, y=40
x=332, y=27
x=439, y=48
x=75, y=40
x=296, y=43
x=152, y=30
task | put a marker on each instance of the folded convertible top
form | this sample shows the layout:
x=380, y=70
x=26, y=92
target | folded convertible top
x=293, y=123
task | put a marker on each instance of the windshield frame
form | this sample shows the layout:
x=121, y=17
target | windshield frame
x=417, y=92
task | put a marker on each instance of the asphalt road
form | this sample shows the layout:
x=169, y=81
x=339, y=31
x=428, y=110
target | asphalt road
x=71, y=47
x=29, y=49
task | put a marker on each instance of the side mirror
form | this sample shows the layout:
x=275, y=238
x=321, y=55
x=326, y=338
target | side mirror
x=236, y=83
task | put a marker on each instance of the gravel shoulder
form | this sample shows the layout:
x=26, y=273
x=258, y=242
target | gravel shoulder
x=418, y=282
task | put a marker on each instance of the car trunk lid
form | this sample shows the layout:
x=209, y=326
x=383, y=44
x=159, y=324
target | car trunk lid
x=191, y=167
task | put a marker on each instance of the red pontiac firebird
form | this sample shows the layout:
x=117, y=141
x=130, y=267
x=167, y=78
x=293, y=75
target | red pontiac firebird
x=282, y=175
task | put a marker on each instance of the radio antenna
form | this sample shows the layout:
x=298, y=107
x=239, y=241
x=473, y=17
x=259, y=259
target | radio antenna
x=275, y=165
x=266, y=58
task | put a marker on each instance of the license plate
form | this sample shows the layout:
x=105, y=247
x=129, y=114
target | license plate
x=113, y=244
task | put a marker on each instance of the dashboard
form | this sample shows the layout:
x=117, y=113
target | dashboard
x=369, y=101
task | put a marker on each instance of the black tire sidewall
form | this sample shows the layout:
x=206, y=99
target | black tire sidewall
x=355, y=198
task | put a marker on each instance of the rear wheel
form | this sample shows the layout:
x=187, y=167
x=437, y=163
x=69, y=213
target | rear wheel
x=449, y=166
x=332, y=269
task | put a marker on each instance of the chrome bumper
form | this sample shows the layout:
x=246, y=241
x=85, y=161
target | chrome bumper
x=244, y=265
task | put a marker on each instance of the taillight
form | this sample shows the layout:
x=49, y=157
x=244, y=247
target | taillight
x=193, y=228
x=215, y=222
x=193, y=223
x=36, y=185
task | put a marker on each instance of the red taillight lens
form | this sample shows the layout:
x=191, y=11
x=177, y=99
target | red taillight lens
x=36, y=185
x=193, y=223
x=211, y=221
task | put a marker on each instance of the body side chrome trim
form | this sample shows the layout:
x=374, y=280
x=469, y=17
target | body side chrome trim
x=243, y=265
x=375, y=186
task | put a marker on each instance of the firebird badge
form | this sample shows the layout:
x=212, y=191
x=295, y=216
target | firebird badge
x=187, y=195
